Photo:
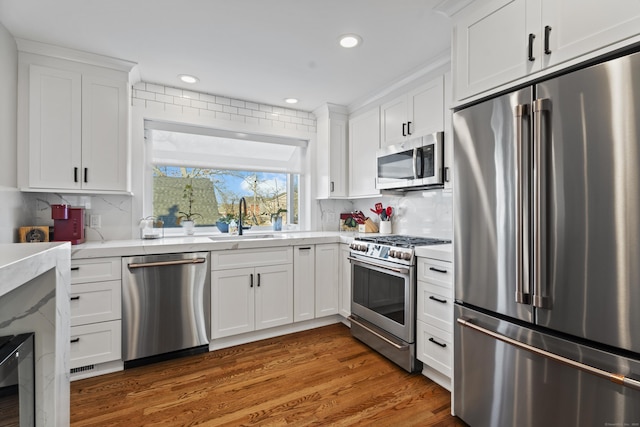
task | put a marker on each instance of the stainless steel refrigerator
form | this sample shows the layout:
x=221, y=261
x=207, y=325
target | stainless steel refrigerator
x=547, y=252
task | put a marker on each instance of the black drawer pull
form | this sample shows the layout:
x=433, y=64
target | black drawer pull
x=75, y=268
x=438, y=270
x=547, y=36
x=437, y=343
x=86, y=175
x=531, y=57
x=404, y=131
x=75, y=174
x=76, y=298
x=306, y=248
x=251, y=280
x=443, y=301
x=408, y=128
x=75, y=340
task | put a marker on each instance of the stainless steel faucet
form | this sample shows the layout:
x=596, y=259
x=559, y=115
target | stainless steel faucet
x=242, y=202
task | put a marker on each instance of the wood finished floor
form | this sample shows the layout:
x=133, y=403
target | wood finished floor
x=317, y=377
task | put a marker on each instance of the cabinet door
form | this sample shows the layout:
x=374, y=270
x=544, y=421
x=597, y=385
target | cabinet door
x=232, y=302
x=426, y=108
x=364, y=141
x=104, y=134
x=327, y=279
x=345, y=281
x=393, y=121
x=491, y=42
x=54, y=128
x=304, y=283
x=274, y=296
x=599, y=24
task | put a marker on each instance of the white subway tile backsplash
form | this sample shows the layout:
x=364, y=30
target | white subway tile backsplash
x=167, y=99
x=230, y=110
x=155, y=88
x=156, y=97
x=198, y=104
x=172, y=91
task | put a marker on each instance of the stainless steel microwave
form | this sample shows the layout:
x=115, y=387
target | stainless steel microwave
x=412, y=165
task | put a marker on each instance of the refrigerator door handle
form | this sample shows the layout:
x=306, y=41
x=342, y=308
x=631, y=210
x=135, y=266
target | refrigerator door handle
x=541, y=108
x=613, y=377
x=521, y=150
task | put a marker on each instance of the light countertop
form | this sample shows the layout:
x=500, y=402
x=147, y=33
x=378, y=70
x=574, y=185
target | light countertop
x=196, y=243
x=441, y=252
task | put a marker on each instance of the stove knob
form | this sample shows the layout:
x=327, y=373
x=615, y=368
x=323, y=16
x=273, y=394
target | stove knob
x=405, y=256
x=362, y=248
x=392, y=253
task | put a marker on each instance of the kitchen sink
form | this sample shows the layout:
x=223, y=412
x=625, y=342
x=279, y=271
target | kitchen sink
x=249, y=236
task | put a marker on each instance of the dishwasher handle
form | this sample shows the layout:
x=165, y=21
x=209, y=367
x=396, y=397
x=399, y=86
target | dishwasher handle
x=165, y=263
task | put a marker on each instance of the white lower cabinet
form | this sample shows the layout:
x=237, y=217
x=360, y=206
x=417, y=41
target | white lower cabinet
x=96, y=313
x=434, y=325
x=345, y=281
x=304, y=283
x=327, y=279
x=256, y=296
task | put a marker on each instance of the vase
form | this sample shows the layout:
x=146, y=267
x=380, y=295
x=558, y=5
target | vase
x=222, y=226
x=188, y=227
x=277, y=223
x=385, y=227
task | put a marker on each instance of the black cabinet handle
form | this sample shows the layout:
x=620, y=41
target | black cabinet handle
x=437, y=270
x=437, y=343
x=408, y=128
x=75, y=174
x=86, y=175
x=443, y=301
x=258, y=279
x=251, y=281
x=332, y=187
x=75, y=268
x=74, y=340
x=404, y=131
x=306, y=248
x=531, y=37
x=76, y=298
x=547, y=34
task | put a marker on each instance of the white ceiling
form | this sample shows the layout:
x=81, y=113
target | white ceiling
x=257, y=50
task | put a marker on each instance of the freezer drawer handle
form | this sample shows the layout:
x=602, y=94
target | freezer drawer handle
x=438, y=270
x=164, y=263
x=616, y=378
x=443, y=301
x=437, y=343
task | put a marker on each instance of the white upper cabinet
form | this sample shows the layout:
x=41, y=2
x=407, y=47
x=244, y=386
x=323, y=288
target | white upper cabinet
x=72, y=126
x=364, y=141
x=414, y=114
x=497, y=42
x=331, y=153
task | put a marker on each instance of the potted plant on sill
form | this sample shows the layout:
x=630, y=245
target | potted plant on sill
x=187, y=219
x=276, y=219
x=223, y=222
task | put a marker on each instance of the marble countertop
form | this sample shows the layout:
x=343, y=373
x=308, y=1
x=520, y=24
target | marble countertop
x=132, y=247
x=441, y=252
x=21, y=262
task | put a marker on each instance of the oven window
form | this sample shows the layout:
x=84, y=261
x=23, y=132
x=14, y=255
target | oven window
x=379, y=292
x=396, y=166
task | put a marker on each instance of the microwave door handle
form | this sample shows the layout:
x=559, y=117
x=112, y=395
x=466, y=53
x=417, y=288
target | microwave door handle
x=418, y=156
x=415, y=163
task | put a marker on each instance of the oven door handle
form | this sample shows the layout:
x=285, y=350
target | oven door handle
x=382, y=337
x=384, y=267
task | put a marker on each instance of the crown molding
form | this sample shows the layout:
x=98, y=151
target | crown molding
x=449, y=8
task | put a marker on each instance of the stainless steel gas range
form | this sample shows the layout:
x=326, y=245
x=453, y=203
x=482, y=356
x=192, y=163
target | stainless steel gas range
x=383, y=295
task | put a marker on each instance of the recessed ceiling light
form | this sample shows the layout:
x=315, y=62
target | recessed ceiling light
x=188, y=79
x=291, y=100
x=350, y=40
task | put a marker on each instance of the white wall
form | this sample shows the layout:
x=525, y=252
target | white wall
x=11, y=212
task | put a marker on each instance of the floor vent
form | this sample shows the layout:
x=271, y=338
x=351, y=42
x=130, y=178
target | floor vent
x=83, y=369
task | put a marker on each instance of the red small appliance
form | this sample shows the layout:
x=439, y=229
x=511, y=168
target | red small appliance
x=68, y=224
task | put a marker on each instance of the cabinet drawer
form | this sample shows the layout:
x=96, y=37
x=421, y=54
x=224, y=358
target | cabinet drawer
x=223, y=260
x=435, y=306
x=95, y=270
x=95, y=302
x=95, y=343
x=434, y=347
x=436, y=272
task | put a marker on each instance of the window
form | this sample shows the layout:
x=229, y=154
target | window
x=202, y=174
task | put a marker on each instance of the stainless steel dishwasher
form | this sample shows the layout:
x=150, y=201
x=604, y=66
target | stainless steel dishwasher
x=166, y=306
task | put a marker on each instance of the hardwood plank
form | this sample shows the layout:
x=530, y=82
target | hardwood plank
x=317, y=377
